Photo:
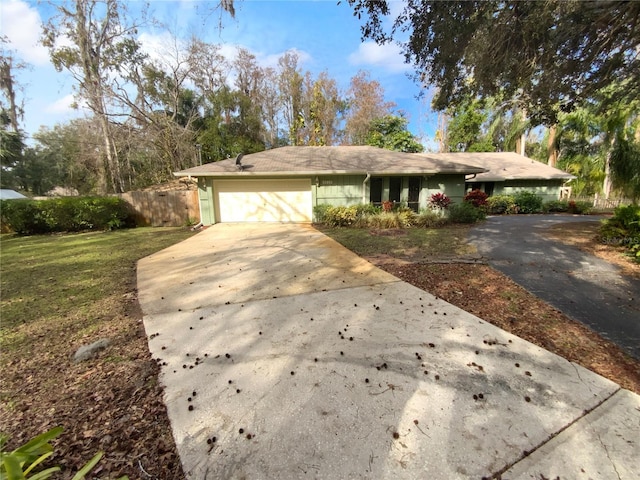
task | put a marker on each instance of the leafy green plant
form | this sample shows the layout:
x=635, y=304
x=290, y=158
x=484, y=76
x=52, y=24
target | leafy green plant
x=429, y=219
x=385, y=220
x=465, y=213
x=623, y=229
x=365, y=209
x=501, y=204
x=555, y=206
x=320, y=212
x=528, y=202
x=341, y=216
x=23, y=462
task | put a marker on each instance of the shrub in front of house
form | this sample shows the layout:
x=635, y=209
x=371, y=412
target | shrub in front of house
x=439, y=201
x=500, y=205
x=384, y=220
x=341, y=216
x=623, y=229
x=528, y=202
x=476, y=197
x=556, y=206
x=320, y=212
x=465, y=212
x=366, y=209
x=568, y=206
x=429, y=219
x=579, y=207
x=69, y=214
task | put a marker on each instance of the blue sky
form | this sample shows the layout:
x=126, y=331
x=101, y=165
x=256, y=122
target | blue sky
x=326, y=36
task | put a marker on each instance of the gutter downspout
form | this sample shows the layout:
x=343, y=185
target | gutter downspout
x=364, y=188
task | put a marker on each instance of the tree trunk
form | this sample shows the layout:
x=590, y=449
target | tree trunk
x=608, y=184
x=523, y=135
x=552, y=151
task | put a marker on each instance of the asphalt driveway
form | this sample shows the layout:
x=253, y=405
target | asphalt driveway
x=580, y=285
x=284, y=355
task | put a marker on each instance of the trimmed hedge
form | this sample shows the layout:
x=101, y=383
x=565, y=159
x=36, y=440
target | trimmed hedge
x=501, y=204
x=68, y=214
x=465, y=212
x=528, y=202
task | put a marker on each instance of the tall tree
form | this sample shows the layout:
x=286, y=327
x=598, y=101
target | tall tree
x=98, y=44
x=550, y=55
x=271, y=108
x=465, y=128
x=390, y=132
x=291, y=82
x=366, y=103
x=325, y=111
x=11, y=136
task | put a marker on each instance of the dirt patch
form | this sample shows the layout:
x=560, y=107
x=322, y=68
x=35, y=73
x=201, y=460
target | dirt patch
x=112, y=403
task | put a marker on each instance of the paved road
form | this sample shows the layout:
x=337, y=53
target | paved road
x=582, y=286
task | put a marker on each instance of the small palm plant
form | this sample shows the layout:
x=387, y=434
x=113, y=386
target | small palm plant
x=22, y=463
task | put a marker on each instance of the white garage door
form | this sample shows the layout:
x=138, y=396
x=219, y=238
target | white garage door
x=263, y=200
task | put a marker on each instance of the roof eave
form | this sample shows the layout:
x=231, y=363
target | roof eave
x=188, y=173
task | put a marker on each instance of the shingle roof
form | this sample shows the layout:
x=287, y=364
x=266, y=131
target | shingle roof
x=503, y=166
x=332, y=160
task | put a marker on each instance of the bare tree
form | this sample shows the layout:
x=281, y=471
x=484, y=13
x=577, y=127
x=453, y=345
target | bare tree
x=365, y=103
x=97, y=42
x=291, y=92
x=271, y=108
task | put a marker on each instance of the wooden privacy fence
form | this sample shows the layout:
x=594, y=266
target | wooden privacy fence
x=164, y=209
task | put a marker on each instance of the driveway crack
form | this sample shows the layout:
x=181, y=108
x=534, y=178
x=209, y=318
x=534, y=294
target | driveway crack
x=497, y=475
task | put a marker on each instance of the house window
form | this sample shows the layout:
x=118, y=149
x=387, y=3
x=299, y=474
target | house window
x=395, y=187
x=415, y=185
x=375, y=195
x=489, y=187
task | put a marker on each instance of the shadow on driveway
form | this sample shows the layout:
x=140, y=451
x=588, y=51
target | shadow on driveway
x=580, y=285
x=286, y=356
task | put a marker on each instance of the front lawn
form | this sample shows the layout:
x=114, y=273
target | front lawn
x=411, y=244
x=58, y=293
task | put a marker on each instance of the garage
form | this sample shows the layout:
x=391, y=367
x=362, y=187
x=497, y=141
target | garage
x=264, y=200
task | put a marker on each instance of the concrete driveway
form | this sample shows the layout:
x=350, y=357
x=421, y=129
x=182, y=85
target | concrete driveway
x=580, y=285
x=286, y=356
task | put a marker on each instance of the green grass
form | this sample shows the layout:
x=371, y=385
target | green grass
x=414, y=243
x=52, y=277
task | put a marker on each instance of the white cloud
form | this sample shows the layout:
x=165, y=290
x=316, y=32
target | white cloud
x=271, y=60
x=66, y=105
x=387, y=56
x=22, y=26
